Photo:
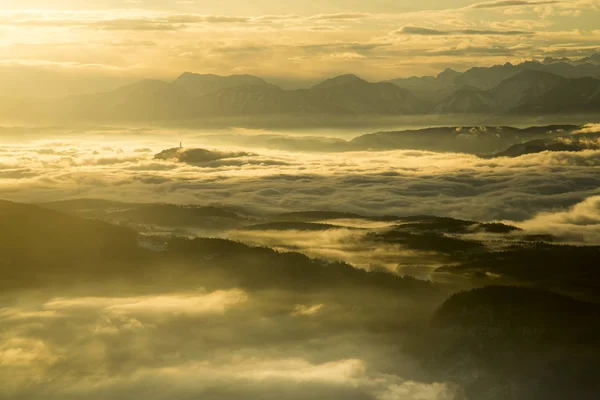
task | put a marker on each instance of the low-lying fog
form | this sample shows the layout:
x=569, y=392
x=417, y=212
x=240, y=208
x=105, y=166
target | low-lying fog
x=121, y=165
x=237, y=322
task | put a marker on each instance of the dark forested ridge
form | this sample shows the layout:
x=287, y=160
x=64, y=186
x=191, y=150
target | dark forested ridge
x=495, y=342
x=513, y=342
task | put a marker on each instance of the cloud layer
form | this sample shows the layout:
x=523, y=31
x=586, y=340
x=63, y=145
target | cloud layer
x=391, y=182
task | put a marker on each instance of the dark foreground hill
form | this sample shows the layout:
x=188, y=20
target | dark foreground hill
x=504, y=343
x=43, y=247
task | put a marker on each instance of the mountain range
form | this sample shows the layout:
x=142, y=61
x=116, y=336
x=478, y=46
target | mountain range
x=529, y=88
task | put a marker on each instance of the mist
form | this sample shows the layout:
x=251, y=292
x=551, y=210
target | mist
x=299, y=200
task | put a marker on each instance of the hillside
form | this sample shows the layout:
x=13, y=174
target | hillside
x=40, y=245
x=567, y=143
x=504, y=343
x=571, y=96
x=474, y=140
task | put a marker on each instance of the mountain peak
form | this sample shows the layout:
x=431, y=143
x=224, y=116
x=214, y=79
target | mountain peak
x=200, y=84
x=448, y=75
x=340, y=80
x=552, y=60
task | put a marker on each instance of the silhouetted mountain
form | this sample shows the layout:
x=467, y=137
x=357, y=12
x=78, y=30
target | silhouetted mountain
x=529, y=91
x=571, y=96
x=144, y=100
x=552, y=60
x=593, y=59
x=466, y=101
x=266, y=100
x=530, y=87
x=456, y=92
x=201, y=84
x=361, y=97
x=486, y=78
x=523, y=87
x=429, y=87
x=448, y=76
x=208, y=96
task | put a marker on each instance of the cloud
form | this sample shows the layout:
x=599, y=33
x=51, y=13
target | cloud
x=581, y=223
x=348, y=56
x=308, y=310
x=387, y=182
x=511, y=3
x=295, y=42
x=173, y=304
x=415, y=30
x=339, y=17
x=138, y=25
x=119, y=341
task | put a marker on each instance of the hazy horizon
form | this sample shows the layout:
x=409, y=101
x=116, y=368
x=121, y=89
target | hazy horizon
x=109, y=42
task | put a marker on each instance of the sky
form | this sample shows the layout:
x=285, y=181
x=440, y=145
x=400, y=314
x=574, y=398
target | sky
x=289, y=42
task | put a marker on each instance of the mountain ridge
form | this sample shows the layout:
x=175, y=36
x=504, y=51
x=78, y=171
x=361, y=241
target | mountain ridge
x=529, y=88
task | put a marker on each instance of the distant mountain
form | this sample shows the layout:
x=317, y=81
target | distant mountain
x=428, y=87
x=201, y=84
x=593, y=59
x=527, y=92
x=266, y=100
x=361, y=97
x=528, y=88
x=447, y=90
x=552, y=60
x=144, y=100
x=571, y=96
x=195, y=96
x=467, y=100
x=486, y=78
x=524, y=86
x=448, y=76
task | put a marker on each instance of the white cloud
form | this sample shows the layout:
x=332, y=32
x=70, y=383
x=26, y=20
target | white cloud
x=387, y=182
x=171, y=304
x=308, y=310
x=579, y=223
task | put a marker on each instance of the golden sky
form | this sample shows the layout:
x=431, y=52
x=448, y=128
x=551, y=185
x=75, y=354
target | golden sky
x=285, y=40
